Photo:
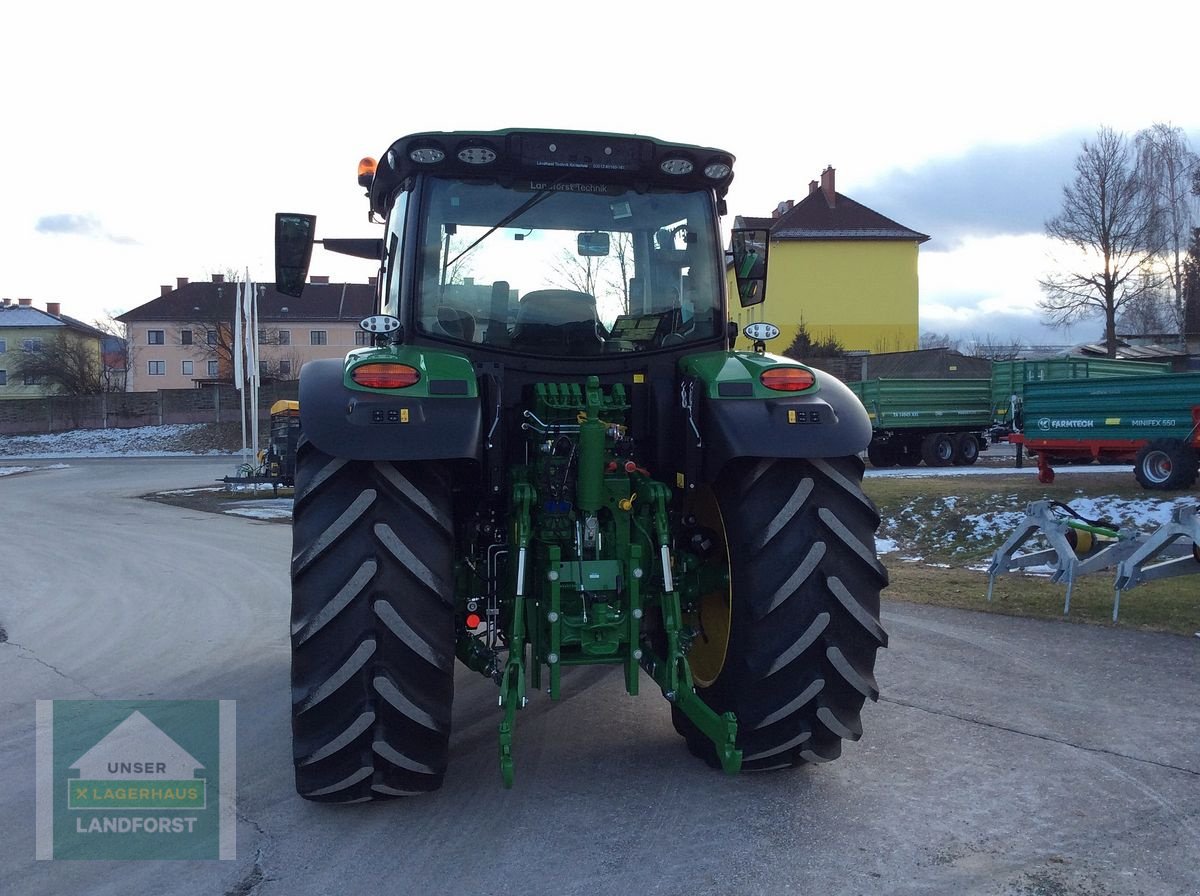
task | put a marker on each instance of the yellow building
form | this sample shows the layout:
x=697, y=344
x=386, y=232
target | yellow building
x=47, y=353
x=842, y=270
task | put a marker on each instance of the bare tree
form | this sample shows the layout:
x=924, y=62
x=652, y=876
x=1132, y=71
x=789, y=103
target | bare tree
x=622, y=253
x=117, y=351
x=1152, y=312
x=1167, y=167
x=937, y=340
x=1191, y=286
x=995, y=349
x=210, y=339
x=1111, y=223
x=578, y=272
x=70, y=361
x=280, y=364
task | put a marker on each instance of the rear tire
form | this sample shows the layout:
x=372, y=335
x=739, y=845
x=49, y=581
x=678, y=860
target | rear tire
x=937, y=449
x=372, y=627
x=1166, y=464
x=804, y=624
x=966, y=449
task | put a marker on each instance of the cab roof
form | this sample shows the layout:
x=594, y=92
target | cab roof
x=549, y=156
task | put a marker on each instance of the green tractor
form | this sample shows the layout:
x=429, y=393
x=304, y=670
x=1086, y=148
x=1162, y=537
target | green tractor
x=548, y=454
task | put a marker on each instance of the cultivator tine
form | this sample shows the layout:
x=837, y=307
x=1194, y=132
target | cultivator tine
x=1074, y=549
x=1165, y=541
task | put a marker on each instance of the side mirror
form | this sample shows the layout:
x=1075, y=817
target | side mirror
x=293, y=251
x=750, y=265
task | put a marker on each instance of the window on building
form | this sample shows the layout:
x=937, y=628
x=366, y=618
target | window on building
x=212, y=337
x=32, y=345
x=33, y=379
x=285, y=367
x=264, y=337
x=318, y=337
x=285, y=337
x=362, y=337
x=185, y=337
x=156, y=368
x=156, y=337
x=3, y=377
x=264, y=368
x=214, y=369
x=3, y=346
x=186, y=368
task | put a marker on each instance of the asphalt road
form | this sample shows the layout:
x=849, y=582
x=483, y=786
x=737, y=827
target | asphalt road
x=1006, y=756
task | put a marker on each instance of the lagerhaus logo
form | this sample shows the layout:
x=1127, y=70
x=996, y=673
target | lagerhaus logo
x=135, y=779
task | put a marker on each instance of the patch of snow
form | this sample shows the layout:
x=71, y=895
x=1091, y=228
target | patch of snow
x=923, y=472
x=11, y=471
x=249, y=487
x=137, y=441
x=885, y=546
x=263, y=509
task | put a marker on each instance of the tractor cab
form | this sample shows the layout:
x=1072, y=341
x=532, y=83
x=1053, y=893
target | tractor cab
x=546, y=244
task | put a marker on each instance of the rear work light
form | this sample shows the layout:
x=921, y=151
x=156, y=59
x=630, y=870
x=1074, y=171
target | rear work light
x=788, y=379
x=385, y=375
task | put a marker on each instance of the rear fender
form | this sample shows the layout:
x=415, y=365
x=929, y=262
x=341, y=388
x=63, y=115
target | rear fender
x=442, y=420
x=737, y=418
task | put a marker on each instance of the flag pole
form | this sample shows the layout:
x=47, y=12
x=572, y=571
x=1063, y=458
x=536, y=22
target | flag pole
x=254, y=368
x=238, y=328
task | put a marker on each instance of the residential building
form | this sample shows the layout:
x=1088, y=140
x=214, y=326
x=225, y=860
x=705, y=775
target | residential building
x=25, y=329
x=183, y=338
x=840, y=269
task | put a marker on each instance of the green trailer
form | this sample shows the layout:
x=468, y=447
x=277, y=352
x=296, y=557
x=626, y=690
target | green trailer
x=938, y=421
x=1009, y=379
x=1152, y=422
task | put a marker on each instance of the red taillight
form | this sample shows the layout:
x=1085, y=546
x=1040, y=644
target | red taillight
x=787, y=379
x=385, y=376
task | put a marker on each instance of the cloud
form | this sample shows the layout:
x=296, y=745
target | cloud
x=987, y=191
x=79, y=225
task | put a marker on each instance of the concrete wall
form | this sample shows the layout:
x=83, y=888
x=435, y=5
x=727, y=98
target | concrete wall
x=126, y=409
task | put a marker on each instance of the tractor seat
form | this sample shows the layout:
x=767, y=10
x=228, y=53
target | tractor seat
x=557, y=322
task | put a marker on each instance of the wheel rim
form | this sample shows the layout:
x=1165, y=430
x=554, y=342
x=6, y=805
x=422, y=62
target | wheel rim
x=1157, y=466
x=707, y=655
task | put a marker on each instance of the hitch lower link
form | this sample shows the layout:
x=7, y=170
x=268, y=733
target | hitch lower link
x=671, y=673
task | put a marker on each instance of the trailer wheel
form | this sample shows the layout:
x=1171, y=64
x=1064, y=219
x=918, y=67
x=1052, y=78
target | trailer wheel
x=910, y=454
x=1165, y=464
x=801, y=628
x=882, y=454
x=937, y=449
x=966, y=449
x=372, y=627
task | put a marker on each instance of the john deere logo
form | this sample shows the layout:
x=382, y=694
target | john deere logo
x=135, y=780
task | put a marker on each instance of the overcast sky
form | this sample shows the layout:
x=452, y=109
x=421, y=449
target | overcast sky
x=146, y=142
